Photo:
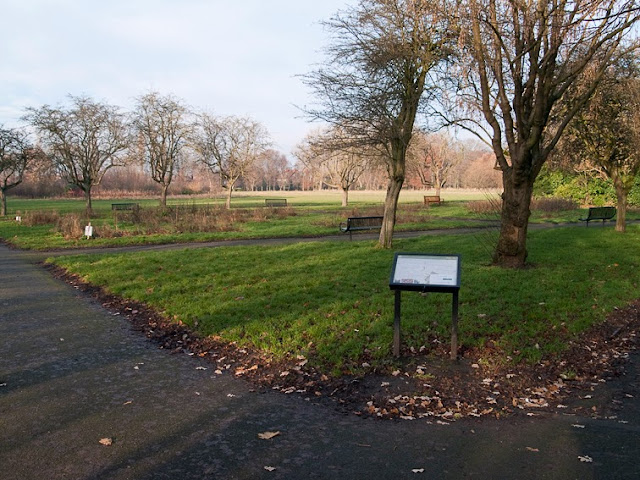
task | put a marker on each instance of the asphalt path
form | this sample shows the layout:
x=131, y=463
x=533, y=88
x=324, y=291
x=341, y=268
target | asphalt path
x=73, y=374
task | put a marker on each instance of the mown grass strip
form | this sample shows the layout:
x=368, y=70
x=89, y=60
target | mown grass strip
x=331, y=301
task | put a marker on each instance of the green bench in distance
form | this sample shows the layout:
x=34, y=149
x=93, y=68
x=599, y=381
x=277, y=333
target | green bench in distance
x=354, y=224
x=599, y=213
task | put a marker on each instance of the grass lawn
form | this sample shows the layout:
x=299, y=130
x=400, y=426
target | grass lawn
x=321, y=199
x=203, y=219
x=331, y=301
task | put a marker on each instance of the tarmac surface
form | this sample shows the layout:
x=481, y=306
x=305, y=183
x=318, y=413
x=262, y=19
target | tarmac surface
x=73, y=374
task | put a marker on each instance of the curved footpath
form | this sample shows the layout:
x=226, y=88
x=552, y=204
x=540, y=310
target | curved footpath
x=41, y=254
x=72, y=374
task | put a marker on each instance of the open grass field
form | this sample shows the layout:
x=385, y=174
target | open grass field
x=53, y=224
x=325, y=199
x=331, y=303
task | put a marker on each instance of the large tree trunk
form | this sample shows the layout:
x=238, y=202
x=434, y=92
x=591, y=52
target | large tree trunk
x=3, y=202
x=227, y=203
x=163, y=196
x=396, y=168
x=621, y=195
x=345, y=196
x=87, y=199
x=511, y=250
x=438, y=181
x=396, y=179
x=390, y=208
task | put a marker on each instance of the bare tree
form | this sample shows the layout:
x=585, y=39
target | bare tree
x=84, y=140
x=309, y=161
x=604, y=137
x=229, y=146
x=375, y=77
x=162, y=125
x=433, y=157
x=273, y=166
x=329, y=152
x=522, y=58
x=15, y=155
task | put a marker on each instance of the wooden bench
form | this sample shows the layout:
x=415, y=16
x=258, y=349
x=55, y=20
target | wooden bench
x=599, y=213
x=124, y=206
x=429, y=199
x=355, y=224
x=275, y=202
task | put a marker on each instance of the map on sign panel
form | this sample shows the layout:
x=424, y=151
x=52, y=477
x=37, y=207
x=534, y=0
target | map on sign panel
x=426, y=270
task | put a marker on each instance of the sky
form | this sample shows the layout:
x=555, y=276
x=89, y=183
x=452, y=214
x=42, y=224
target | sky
x=220, y=56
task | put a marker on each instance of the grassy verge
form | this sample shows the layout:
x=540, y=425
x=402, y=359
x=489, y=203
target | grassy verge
x=59, y=224
x=193, y=223
x=331, y=302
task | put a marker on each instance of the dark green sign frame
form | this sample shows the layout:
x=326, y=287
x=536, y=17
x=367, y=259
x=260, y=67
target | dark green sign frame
x=425, y=272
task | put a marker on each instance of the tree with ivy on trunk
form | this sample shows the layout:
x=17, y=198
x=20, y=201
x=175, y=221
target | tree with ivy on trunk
x=83, y=140
x=162, y=125
x=604, y=137
x=521, y=59
x=375, y=79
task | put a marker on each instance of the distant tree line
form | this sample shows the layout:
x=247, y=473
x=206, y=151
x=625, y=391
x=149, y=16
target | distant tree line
x=86, y=146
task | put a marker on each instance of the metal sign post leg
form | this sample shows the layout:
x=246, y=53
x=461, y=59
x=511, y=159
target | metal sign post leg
x=454, y=327
x=396, y=325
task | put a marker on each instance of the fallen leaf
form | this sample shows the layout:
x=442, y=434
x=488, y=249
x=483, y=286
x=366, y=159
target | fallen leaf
x=585, y=459
x=129, y=402
x=269, y=469
x=268, y=435
x=531, y=449
x=201, y=368
x=417, y=470
x=577, y=425
x=106, y=441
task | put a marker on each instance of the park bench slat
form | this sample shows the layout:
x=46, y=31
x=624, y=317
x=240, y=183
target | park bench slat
x=125, y=206
x=275, y=202
x=599, y=213
x=354, y=224
x=435, y=199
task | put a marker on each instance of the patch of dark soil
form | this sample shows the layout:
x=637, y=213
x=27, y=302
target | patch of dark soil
x=419, y=386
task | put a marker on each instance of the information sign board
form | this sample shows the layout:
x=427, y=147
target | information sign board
x=425, y=272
